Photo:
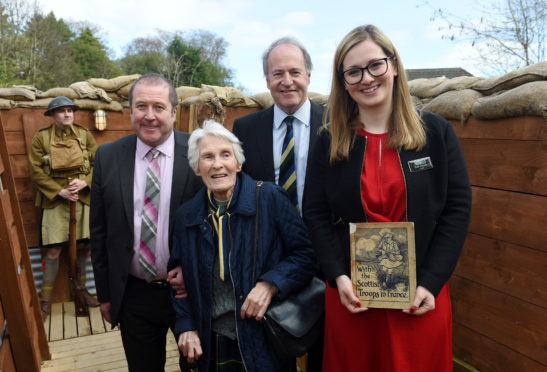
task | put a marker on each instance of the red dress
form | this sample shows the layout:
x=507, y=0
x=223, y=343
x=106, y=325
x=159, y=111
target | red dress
x=383, y=340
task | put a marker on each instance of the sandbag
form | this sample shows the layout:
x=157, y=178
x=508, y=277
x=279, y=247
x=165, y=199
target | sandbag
x=38, y=103
x=86, y=90
x=56, y=92
x=457, y=83
x=185, y=92
x=6, y=103
x=454, y=104
x=90, y=104
x=318, y=98
x=526, y=100
x=425, y=88
x=18, y=94
x=263, y=100
x=112, y=85
x=28, y=87
x=228, y=96
x=205, y=97
x=512, y=79
x=417, y=103
x=114, y=96
x=124, y=91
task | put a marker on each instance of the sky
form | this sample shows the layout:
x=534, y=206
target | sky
x=249, y=26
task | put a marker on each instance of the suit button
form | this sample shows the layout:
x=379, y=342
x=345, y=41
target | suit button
x=241, y=297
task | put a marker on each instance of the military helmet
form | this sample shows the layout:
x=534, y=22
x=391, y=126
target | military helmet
x=57, y=102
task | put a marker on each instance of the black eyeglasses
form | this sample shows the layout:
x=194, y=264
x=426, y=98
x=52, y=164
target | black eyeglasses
x=375, y=68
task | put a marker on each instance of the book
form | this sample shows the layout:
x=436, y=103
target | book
x=383, y=264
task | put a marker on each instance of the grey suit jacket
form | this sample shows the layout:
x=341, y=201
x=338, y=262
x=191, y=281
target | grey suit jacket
x=111, y=215
x=255, y=131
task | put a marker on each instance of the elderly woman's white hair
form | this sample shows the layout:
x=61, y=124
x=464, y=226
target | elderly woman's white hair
x=212, y=128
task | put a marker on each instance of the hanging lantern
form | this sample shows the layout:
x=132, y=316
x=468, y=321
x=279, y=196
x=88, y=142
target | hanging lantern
x=100, y=119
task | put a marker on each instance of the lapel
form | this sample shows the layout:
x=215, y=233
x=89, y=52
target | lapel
x=181, y=171
x=264, y=138
x=127, y=173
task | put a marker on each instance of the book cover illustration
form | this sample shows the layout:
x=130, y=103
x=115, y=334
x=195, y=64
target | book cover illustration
x=383, y=264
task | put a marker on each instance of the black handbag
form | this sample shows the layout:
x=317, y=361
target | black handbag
x=292, y=325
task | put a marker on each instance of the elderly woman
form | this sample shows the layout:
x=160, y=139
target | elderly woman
x=214, y=240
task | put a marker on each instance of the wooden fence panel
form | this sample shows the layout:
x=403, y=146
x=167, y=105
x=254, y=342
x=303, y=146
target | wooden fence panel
x=508, y=165
x=514, y=323
x=505, y=267
x=518, y=128
x=488, y=354
x=511, y=217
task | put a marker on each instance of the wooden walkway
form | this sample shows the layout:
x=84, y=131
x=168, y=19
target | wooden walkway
x=88, y=344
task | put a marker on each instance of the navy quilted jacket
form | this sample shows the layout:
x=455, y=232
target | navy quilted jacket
x=284, y=257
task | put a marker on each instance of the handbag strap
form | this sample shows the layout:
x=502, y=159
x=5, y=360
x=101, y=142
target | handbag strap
x=255, y=246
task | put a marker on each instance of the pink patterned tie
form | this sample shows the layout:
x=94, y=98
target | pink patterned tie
x=149, y=224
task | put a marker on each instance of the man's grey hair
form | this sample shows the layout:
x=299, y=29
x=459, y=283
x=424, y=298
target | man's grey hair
x=212, y=128
x=286, y=40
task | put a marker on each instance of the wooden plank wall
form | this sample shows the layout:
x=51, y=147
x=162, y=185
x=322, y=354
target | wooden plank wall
x=21, y=321
x=499, y=288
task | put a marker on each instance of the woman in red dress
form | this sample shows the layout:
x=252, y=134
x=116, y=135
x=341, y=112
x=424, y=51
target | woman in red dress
x=380, y=160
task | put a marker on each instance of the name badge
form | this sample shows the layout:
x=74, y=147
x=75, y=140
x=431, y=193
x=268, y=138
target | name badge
x=419, y=165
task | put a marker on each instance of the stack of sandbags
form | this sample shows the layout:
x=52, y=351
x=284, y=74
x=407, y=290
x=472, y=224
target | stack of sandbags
x=56, y=92
x=93, y=98
x=520, y=92
x=529, y=99
x=187, y=92
x=217, y=96
x=517, y=93
x=10, y=97
x=116, y=88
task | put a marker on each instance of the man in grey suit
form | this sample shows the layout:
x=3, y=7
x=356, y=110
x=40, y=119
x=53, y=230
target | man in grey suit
x=287, y=67
x=130, y=227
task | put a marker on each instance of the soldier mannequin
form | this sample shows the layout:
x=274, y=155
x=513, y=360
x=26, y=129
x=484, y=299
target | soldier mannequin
x=57, y=187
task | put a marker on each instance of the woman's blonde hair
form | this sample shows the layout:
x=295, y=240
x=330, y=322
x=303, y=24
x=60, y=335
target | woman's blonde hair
x=405, y=129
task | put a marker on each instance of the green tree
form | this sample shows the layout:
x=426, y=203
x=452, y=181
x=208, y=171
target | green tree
x=190, y=60
x=91, y=56
x=13, y=16
x=143, y=55
x=50, y=61
x=41, y=50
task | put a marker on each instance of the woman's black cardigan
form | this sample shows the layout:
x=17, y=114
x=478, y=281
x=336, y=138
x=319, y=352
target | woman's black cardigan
x=438, y=202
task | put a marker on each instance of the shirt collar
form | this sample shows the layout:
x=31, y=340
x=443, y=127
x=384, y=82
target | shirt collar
x=302, y=114
x=167, y=148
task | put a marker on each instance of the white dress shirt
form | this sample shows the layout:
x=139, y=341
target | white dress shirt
x=301, y=135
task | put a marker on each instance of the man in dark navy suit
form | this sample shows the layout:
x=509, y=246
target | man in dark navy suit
x=287, y=68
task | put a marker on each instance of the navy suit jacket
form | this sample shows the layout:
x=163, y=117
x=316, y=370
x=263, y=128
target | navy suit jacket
x=111, y=215
x=255, y=131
